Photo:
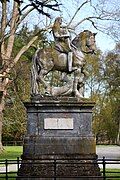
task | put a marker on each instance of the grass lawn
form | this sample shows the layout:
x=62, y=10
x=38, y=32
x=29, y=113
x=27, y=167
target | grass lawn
x=113, y=173
x=2, y=177
x=11, y=152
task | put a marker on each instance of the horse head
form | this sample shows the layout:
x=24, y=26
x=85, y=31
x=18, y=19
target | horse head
x=85, y=42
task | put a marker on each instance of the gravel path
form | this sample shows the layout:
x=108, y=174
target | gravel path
x=12, y=167
x=109, y=152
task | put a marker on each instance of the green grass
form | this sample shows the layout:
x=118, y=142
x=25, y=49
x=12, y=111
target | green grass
x=109, y=172
x=112, y=172
x=2, y=177
x=11, y=152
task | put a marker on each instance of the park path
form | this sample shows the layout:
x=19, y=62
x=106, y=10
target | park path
x=109, y=152
x=12, y=167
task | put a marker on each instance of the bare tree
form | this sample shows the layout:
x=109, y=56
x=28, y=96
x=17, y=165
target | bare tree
x=101, y=15
x=9, y=25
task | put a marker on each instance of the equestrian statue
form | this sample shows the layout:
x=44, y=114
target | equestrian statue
x=65, y=56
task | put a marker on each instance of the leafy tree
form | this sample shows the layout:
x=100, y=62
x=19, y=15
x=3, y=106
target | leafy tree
x=106, y=117
x=93, y=76
x=112, y=78
x=14, y=123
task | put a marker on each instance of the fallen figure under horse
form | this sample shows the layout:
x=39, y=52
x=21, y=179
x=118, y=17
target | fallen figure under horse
x=49, y=59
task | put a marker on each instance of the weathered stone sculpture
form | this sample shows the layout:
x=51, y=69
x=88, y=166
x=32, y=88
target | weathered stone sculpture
x=66, y=57
x=59, y=123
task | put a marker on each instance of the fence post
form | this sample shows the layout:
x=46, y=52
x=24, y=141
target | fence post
x=17, y=163
x=6, y=168
x=104, y=168
x=54, y=169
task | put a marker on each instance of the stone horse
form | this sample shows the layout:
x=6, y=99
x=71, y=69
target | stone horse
x=49, y=59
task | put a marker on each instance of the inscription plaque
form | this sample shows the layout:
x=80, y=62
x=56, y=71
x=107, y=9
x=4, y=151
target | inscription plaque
x=58, y=123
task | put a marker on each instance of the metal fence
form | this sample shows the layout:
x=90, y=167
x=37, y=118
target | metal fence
x=12, y=143
x=9, y=169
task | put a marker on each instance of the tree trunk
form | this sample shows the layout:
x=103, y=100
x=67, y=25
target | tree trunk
x=3, y=83
x=1, y=118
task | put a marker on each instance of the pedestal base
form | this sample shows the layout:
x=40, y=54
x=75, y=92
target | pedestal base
x=62, y=167
x=59, y=142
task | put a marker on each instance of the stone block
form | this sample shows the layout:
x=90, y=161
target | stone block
x=59, y=130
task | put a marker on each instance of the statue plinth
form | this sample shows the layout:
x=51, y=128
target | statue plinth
x=59, y=129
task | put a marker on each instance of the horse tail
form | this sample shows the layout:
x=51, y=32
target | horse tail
x=34, y=73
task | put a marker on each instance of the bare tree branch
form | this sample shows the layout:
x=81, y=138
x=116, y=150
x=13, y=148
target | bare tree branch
x=20, y=53
x=12, y=29
x=4, y=18
x=11, y=63
x=24, y=49
x=79, y=8
x=3, y=26
x=38, y=5
x=24, y=15
x=94, y=17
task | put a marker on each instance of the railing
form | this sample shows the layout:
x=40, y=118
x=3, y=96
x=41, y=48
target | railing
x=12, y=143
x=9, y=169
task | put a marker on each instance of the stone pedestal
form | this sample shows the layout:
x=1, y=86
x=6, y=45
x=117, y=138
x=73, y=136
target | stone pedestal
x=59, y=130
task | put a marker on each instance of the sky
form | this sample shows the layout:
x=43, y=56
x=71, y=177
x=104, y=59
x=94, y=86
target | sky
x=104, y=42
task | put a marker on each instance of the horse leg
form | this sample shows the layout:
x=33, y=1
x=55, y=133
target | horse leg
x=41, y=80
x=81, y=89
x=36, y=78
x=81, y=84
x=77, y=74
x=34, y=83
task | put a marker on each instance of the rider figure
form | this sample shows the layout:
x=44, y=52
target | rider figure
x=62, y=40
